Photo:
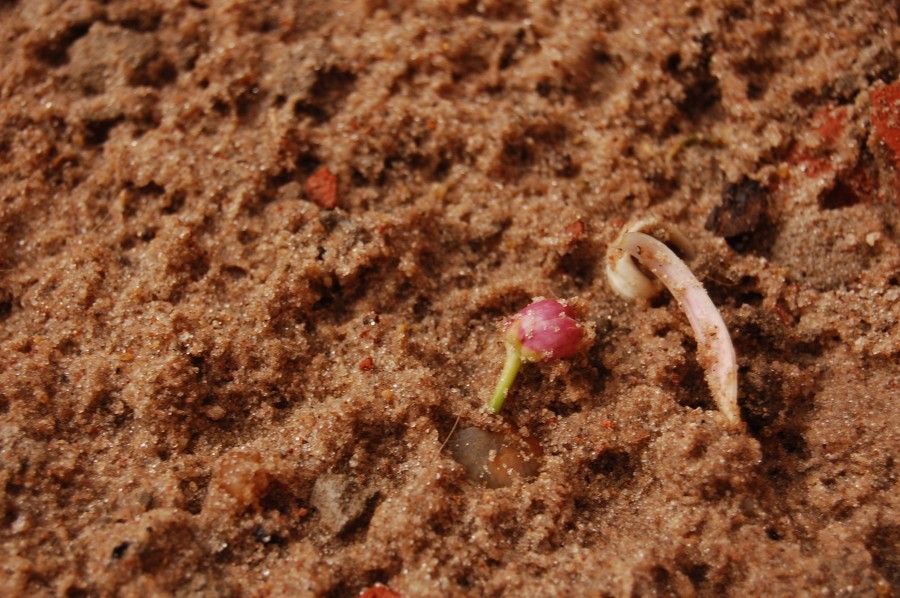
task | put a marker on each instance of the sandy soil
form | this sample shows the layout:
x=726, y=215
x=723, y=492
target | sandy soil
x=254, y=258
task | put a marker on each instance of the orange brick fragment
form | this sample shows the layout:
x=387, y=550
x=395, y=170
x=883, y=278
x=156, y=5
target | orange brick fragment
x=379, y=592
x=576, y=230
x=322, y=188
x=886, y=116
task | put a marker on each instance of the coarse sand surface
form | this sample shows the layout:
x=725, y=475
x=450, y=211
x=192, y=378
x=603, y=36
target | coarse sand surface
x=255, y=256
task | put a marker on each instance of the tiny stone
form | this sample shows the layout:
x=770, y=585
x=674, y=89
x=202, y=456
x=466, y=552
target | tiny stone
x=215, y=413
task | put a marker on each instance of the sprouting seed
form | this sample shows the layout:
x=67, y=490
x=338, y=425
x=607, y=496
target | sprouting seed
x=542, y=331
x=495, y=459
x=715, y=350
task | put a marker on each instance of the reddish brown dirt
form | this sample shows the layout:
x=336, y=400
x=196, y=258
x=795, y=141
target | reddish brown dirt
x=254, y=255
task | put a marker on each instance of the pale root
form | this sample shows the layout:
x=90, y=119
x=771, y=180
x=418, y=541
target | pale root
x=714, y=347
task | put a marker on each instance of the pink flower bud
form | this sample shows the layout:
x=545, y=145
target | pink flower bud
x=545, y=330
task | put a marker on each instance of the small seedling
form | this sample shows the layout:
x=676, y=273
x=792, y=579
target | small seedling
x=715, y=351
x=542, y=331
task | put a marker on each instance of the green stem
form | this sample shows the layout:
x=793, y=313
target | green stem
x=507, y=377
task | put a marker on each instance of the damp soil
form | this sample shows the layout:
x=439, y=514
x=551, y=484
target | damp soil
x=254, y=257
